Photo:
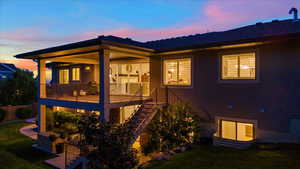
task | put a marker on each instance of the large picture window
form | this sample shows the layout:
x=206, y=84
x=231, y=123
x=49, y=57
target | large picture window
x=239, y=66
x=64, y=76
x=76, y=74
x=177, y=72
x=236, y=130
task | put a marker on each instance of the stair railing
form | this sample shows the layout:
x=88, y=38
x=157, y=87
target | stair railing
x=153, y=94
x=72, y=152
x=173, y=98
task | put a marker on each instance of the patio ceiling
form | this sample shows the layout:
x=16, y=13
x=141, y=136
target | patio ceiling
x=91, y=56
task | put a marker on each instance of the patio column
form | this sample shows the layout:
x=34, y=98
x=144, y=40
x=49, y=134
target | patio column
x=42, y=78
x=41, y=94
x=42, y=117
x=104, y=83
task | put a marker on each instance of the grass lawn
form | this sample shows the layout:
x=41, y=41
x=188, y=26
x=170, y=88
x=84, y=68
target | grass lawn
x=209, y=157
x=16, y=151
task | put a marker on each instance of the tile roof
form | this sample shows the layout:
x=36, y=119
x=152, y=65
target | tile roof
x=257, y=32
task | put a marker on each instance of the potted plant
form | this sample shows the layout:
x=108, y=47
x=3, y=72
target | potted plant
x=52, y=138
x=59, y=148
x=57, y=144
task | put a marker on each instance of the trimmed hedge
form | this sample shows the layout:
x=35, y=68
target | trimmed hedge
x=24, y=113
x=2, y=114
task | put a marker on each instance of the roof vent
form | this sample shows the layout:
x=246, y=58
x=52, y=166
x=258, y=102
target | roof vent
x=295, y=12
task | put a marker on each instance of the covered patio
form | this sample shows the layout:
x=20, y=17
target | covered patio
x=96, y=74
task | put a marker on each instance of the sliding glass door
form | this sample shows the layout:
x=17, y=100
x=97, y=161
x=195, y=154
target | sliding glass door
x=129, y=79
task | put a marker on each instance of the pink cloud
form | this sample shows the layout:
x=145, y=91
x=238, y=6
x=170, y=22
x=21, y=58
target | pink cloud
x=22, y=35
x=21, y=63
x=215, y=15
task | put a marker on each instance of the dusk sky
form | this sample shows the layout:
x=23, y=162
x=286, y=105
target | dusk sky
x=27, y=25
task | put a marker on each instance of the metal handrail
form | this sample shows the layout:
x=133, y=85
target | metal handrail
x=182, y=101
x=73, y=91
x=117, y=85
x=71, y=155
x=174, y=94
x=140, y=107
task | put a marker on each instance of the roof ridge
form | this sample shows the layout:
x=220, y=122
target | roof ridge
x=233, y=29
x=257, y=31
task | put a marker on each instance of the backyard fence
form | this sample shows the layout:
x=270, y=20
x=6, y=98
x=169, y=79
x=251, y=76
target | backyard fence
x=11, y=111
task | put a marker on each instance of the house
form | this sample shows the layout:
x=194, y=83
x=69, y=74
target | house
x=7, y=70
x=244, y=81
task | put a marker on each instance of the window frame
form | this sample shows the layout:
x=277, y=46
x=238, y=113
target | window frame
x=59, y=76
x=75, y=73
x=240, y=80
x=176, y=85
x=236, y=129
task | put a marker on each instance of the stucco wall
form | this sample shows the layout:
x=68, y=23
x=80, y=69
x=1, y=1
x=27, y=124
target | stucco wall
x=273, y=101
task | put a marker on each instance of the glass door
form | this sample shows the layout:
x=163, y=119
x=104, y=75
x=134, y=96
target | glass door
x=129, y=79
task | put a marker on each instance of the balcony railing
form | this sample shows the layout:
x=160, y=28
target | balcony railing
x=79, y=92
x=72, y=92
x=129, y=88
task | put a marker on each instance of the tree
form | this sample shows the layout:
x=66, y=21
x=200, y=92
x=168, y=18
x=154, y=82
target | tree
x=112, y=144
x=170, y=128
x=19, y=90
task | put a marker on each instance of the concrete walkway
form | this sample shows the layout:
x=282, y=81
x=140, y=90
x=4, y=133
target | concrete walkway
x=29, y=131
x=31, y=120
x=57, y=162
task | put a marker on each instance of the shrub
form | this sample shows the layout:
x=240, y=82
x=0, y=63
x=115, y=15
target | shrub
x=170, y=128
x=112, y=142
x=2, y=114
x=61, y=122
x=24, y=113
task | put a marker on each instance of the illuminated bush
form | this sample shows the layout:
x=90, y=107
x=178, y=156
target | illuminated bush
x=170, y=128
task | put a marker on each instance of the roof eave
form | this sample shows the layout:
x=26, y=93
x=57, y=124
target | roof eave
x=242, y=41
x=35, y=54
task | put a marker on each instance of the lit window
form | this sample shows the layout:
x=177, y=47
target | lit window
x=228, y=130
x=64, y=76
x=57, y=108
x=76, y=74
x=239, y=66
x=236, y=130
x=80, y=110
x=177, y=72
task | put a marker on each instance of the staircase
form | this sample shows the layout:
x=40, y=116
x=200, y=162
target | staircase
x=135, y=124
x=72, y=155
x=142, y=117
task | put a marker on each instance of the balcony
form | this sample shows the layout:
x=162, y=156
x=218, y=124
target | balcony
x=89, y=92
